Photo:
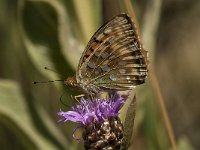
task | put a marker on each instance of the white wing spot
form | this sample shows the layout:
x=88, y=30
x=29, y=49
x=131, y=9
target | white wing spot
x=99, y=37
x=113, y=78
x=122, y=71
x=126, y=26
x=124, y=21
x=128, y=77
x=108, y=30
x=119, y=19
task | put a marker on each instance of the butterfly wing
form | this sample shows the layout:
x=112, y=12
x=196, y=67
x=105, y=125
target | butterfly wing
x=114, y=57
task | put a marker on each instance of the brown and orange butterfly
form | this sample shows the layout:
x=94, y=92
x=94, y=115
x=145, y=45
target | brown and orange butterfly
x=114, y=59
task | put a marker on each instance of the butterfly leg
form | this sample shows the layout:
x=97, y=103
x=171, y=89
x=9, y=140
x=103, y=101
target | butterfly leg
x=91, y=96
x=77, y=97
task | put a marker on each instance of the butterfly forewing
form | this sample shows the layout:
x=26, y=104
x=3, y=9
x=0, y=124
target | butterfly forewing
x=114, y=57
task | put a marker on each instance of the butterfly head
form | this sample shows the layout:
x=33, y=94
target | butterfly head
x=71, y=82
x=85, y=87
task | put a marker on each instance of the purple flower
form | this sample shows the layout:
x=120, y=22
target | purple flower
x=93, y=111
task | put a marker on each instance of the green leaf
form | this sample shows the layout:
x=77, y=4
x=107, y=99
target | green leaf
x=129, y=122
x=45, y=34
x=15, y=114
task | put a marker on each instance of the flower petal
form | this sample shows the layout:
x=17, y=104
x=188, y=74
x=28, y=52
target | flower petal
x=72, y=116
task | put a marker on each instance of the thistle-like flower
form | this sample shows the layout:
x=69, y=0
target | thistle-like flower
x=99, y=118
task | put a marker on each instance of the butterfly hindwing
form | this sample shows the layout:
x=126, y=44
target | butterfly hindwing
x=114, y=57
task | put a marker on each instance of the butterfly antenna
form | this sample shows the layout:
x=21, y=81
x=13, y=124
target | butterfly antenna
x=46, y=68
x=49, y=69
x=36, y=82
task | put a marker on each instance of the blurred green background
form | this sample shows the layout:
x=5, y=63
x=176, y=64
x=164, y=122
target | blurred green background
x=53, y=33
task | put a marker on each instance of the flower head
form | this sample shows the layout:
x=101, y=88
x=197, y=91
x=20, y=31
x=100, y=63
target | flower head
x=93, y=110
x=99, y=118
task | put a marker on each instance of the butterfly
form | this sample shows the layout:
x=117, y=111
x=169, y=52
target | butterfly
x=114, y=59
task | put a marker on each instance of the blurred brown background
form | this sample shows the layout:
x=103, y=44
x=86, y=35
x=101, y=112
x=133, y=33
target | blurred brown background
x=177, y=60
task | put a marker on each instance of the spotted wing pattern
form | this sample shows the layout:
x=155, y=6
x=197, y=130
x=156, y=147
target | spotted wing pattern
x=114, y=57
